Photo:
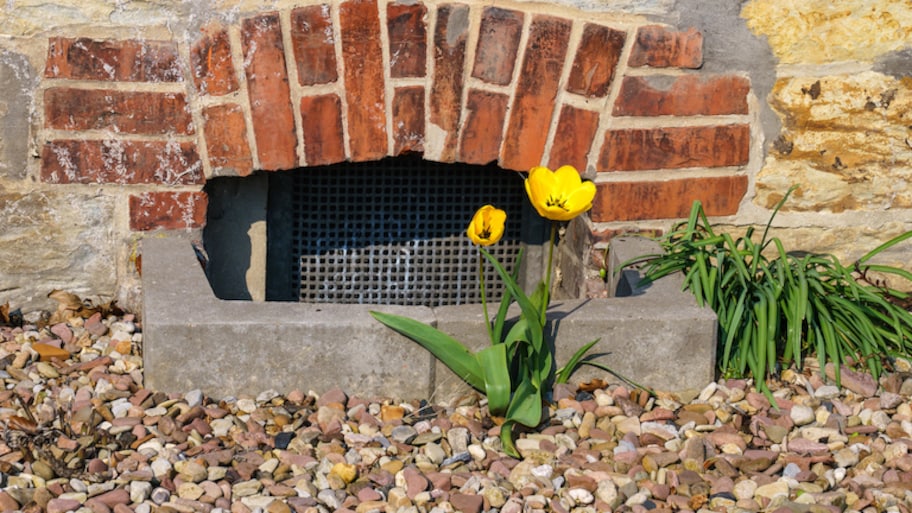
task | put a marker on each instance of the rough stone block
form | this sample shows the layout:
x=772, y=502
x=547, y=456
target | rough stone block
x=17, y=78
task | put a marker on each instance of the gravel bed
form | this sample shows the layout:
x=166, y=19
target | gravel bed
x=82, y=434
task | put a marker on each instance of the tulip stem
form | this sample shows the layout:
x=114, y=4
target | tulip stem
x=484, y=303
x=544, y=305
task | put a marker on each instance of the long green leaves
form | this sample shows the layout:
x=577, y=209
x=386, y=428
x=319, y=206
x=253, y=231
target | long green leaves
x=775, y=307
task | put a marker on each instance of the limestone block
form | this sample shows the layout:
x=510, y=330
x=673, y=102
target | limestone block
x=823, y=31
x=845, y=140
x=16, y=83
x=55, y=239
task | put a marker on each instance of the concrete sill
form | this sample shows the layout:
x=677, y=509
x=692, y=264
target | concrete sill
x=656, y=336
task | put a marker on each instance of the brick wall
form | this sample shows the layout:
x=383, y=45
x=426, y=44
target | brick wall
x=619, y=98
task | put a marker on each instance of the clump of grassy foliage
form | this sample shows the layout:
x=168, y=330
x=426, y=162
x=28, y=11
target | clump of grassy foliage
x=775, y=306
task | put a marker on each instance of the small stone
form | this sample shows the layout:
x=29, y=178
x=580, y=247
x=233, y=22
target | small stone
x=801, y=414
x=47, y=352
x=346, y=472
x=466, y=503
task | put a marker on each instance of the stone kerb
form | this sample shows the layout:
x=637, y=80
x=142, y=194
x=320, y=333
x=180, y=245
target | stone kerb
x=657, y=337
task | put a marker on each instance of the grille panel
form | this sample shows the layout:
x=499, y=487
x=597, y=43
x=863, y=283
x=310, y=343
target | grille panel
x=393, y=231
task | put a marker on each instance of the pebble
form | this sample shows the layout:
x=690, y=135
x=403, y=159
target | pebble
x=719, y=448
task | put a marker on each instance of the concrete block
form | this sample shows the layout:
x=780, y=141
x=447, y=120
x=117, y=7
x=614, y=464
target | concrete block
x=657, y=337
x=191, y=339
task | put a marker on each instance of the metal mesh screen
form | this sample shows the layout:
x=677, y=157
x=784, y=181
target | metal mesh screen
x=393, y=231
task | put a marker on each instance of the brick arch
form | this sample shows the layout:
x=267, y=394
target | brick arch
x=361, y=80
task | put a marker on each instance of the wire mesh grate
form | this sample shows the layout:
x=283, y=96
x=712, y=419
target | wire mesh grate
x=393, y=231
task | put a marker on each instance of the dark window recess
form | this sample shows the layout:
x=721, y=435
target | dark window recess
x=387, y=232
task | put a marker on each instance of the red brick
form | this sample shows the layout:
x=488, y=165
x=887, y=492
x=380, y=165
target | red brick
x=679, y=147
x=408, y=119
x=120, y=162
x=573, y=138
x=314, y=44
x=270, y=96
x=211, y=64
x=226, y=140
x=536, y=90
x=667, y=199
x=168, y=210
x=364, y=85
x=661, y=47
x=322, y=127
x=126, y=61
x=407, y=39
x=483, y=131
x=595, y=61
x=688, y=95
x=67, y=108
x=498, y=43
x=445, y=103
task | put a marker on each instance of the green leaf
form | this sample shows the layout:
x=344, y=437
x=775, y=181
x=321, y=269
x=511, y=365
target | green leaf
x=564, y=373
x=526, y=406
x=496, y=370
x=447, y=349
x=525, y=304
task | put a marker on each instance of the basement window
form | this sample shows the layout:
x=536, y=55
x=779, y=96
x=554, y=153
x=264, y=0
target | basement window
x=383, y=232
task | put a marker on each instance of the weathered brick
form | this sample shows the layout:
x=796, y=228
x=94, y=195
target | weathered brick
x=667, y=199
x=407, y=39
x=168, y=210
x=127, y=61
x=322, y=129
x=450, y=36
x=595, y=60
x=270, y=96
x=226, y=140
x=498, y=43
x=483, y=131
x=120, y=162
x=575, y=132
x=211, y=64
x=67, y=108
x=678, y=147
x=688, y=95
x=364, y=85
x=661, y=47
x=536, y=90
x=408, y=119
x=314, y=44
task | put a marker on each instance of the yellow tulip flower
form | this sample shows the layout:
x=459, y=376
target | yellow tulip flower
x=559, y=195
x=487, y=226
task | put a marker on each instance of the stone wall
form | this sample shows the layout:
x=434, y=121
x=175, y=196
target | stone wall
x=114, y=115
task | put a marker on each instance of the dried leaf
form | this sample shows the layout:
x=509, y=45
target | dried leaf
x=593, y=385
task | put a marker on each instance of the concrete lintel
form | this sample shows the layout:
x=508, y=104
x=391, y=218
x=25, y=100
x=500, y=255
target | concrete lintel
x=657, y=337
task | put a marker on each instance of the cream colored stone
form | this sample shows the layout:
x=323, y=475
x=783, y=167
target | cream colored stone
x=823, y=31
x=845, y=141
x=55, y=238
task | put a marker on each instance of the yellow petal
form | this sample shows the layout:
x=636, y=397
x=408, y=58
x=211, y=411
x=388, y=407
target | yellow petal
x=559, y=195
x=487, y=225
